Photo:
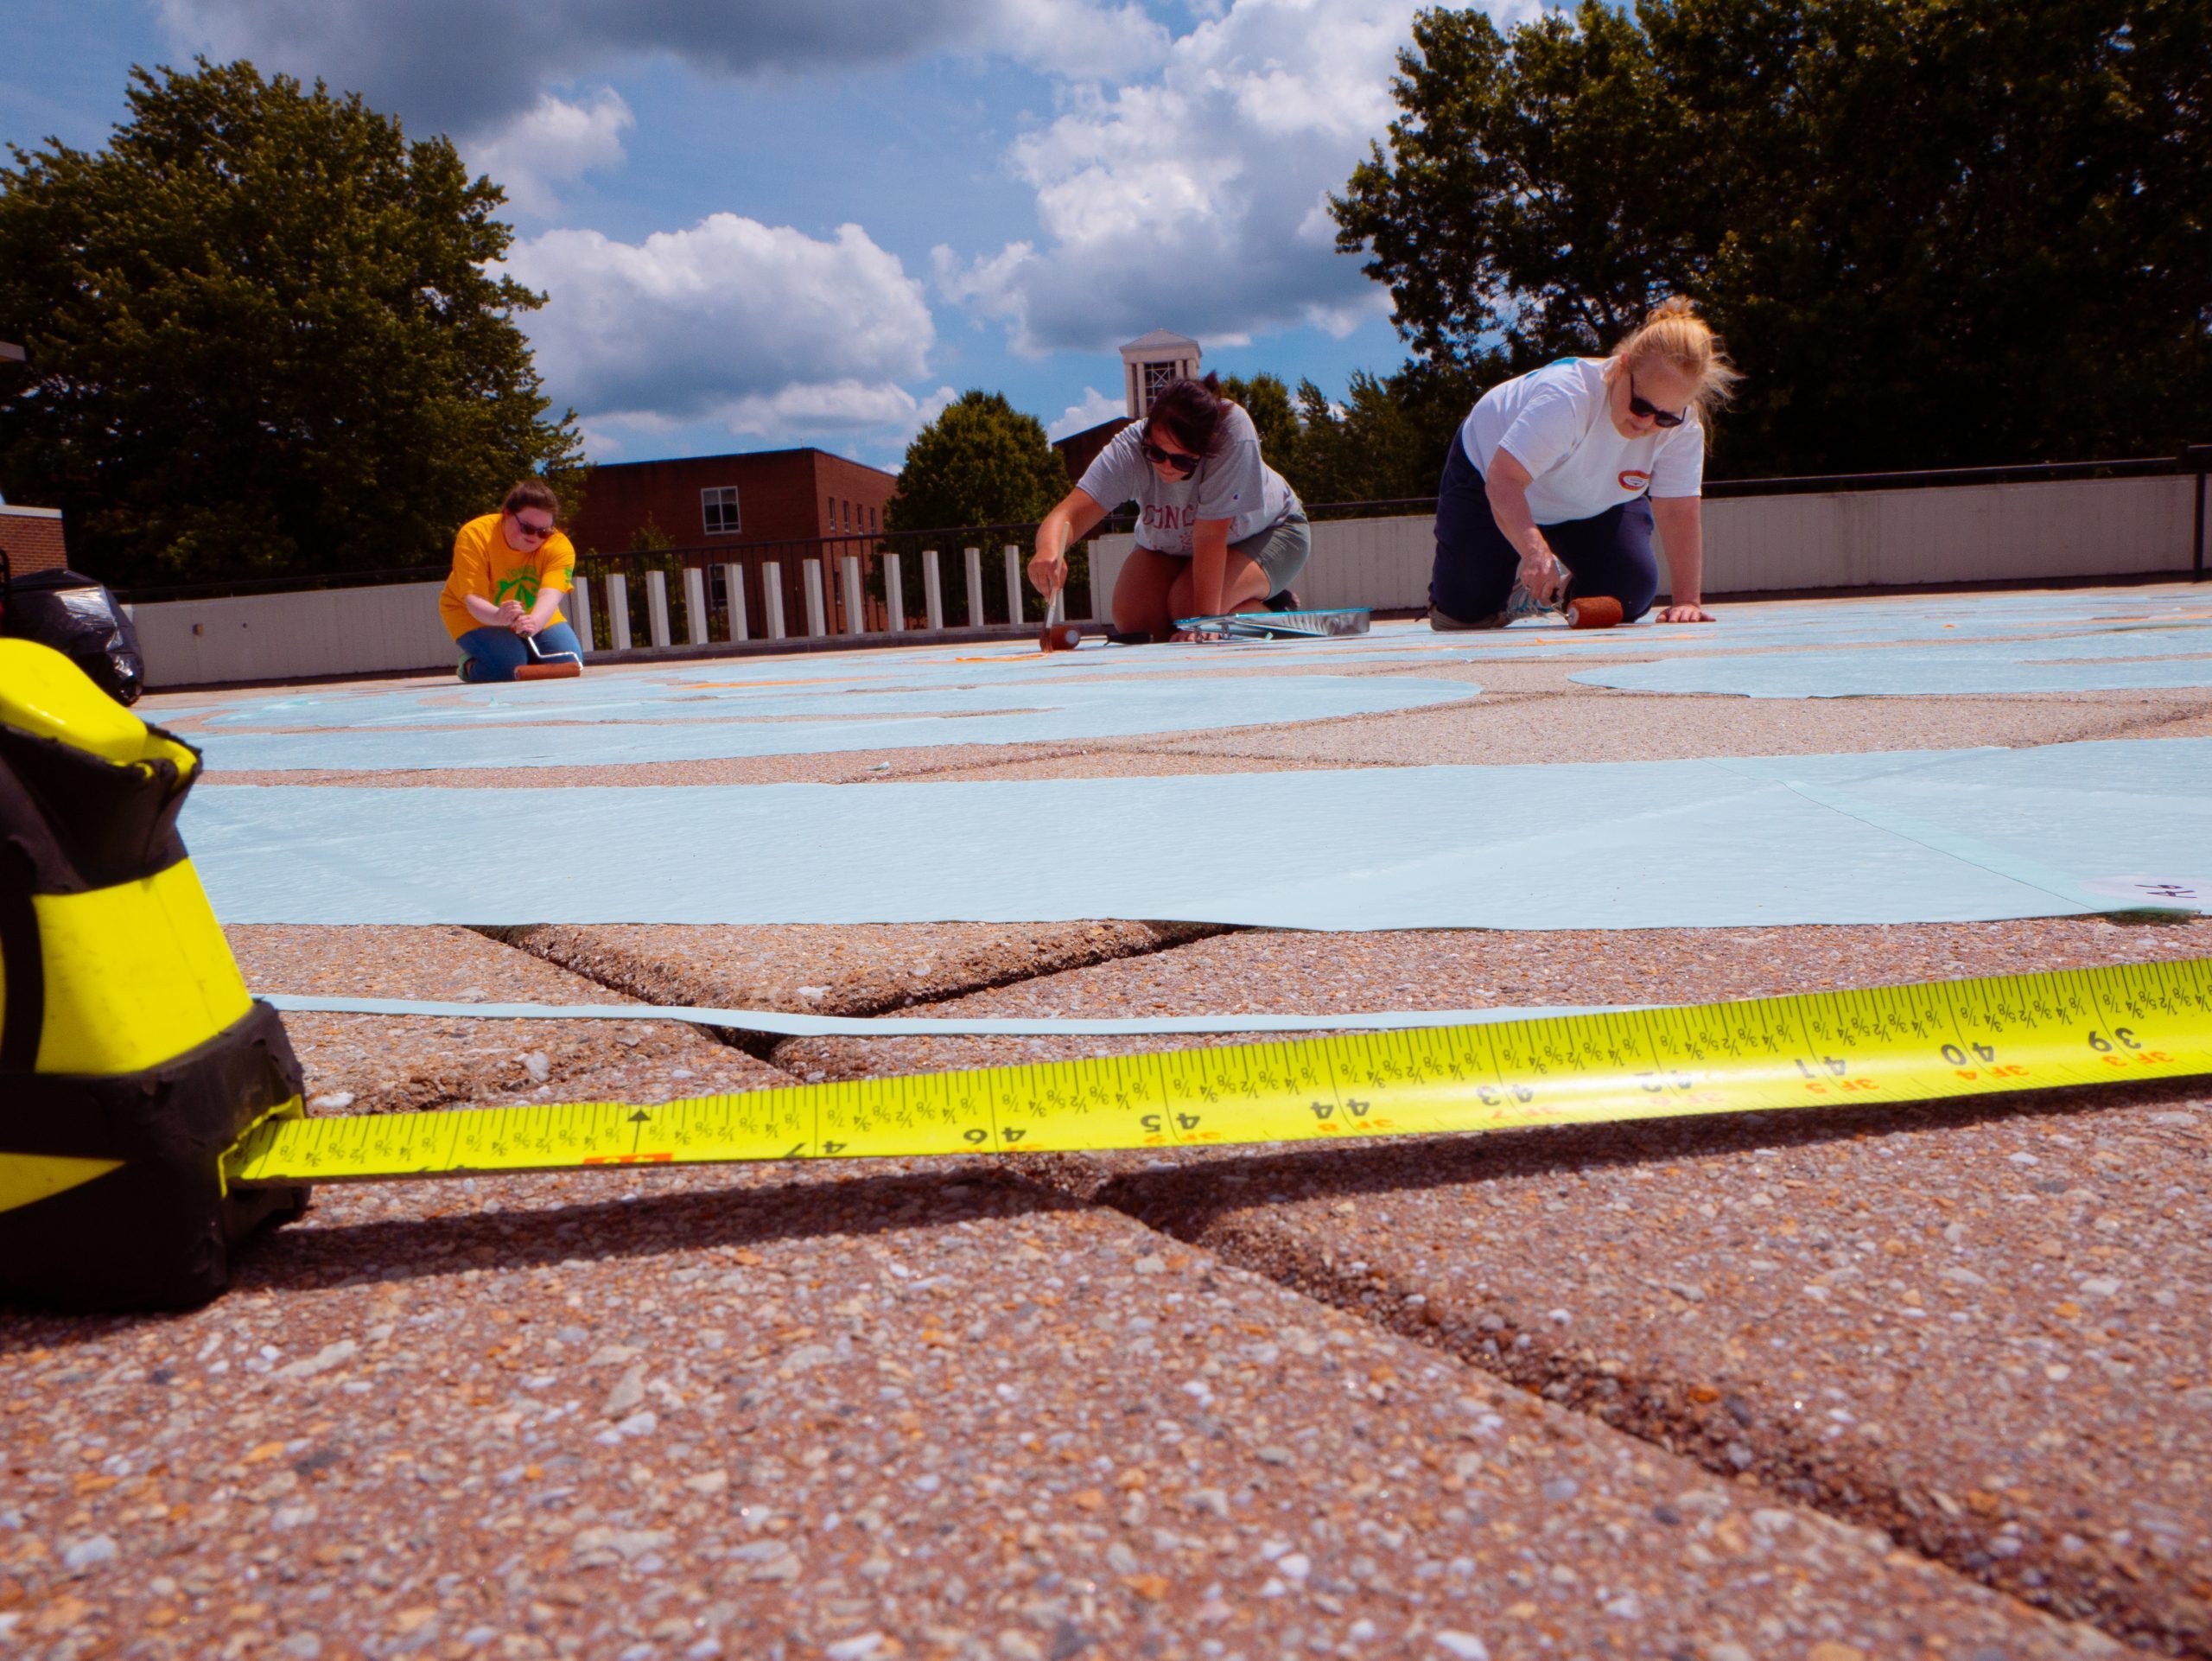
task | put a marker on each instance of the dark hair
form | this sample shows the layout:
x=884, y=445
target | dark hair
x=1193, y=410
x=532, y=492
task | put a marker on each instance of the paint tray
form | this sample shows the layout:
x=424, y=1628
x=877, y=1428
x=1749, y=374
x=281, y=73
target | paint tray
x=1282, y=625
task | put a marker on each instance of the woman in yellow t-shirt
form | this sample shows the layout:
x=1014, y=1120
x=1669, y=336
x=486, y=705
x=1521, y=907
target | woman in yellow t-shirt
x=510, y=570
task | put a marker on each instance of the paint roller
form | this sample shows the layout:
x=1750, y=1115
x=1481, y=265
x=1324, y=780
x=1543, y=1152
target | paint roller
x=1054, y=635
x=561, y=665
x=1597, y=611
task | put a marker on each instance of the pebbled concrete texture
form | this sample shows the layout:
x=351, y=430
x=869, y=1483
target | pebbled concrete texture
x=380, y=1064
x=897, y=1413
x=1932, y=1383
x=1986, y=1335
x=832, y=971
x=1562, y=725
x=1647, y=1273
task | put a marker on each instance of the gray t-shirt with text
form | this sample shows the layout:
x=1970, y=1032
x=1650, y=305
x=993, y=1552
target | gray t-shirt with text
x=1232, y=484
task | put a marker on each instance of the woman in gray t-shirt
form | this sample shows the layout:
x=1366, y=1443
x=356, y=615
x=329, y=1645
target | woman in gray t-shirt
x=1217, y=529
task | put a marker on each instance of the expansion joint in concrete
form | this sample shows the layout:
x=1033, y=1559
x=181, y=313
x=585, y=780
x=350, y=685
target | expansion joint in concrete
x=1720, y=1433
x=581, y=951
x=2166, y=715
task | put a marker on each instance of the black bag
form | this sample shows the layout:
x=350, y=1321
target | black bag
x=78, y=617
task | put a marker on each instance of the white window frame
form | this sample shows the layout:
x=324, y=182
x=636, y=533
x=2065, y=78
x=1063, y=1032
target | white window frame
x=719, y=501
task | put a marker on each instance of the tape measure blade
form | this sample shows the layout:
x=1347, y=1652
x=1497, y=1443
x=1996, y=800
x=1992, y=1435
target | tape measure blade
x=1946, y=1038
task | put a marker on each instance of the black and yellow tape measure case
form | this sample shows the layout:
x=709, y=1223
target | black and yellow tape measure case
x=131, y=1055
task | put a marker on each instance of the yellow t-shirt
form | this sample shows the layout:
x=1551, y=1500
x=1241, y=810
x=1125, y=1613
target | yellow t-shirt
x=485, y=566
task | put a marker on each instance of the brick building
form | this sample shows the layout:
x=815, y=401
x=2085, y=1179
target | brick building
x=31, y=537
x=716, y=501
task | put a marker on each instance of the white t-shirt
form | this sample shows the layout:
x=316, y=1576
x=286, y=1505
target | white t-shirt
x=1553, y=422
x=1232, y=484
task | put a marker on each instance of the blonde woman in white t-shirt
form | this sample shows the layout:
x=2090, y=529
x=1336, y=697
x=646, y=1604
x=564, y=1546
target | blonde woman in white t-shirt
x=1556, y=476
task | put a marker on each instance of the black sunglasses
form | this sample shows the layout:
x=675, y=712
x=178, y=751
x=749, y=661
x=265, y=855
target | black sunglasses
x=1175, y=459
x=1640, y=405
x=535, y=532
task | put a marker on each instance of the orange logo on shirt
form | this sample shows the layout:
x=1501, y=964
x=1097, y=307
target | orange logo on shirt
x=1635, y=478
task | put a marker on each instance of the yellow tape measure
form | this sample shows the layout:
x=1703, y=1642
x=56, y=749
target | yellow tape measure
x=1894, y=1044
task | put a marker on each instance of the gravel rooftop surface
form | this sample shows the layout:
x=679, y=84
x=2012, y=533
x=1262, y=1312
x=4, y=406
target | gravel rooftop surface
x=867, y=1414
x=1930, y=1382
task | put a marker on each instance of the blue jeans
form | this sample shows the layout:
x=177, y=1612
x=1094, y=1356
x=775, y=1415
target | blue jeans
x=496, y=653
x=1609, y=553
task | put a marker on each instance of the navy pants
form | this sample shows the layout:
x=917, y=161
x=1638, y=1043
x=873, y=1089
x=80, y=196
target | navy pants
x=1609, y=554
x=496, y=653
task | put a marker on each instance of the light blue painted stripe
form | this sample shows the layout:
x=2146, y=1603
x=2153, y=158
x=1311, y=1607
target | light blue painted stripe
x=2016, y=867
x=1949, y=837
x=792, y=1025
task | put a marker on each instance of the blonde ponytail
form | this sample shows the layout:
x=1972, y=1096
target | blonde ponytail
x=1675, y=335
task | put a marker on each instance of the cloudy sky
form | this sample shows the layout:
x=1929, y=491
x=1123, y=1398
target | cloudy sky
x=764, y=222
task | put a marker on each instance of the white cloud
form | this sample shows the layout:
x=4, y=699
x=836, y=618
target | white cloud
x=1074, y=39
x=1095, y=409
x=844, y=407
x=761, y=327
x=467, y=66
x=1197, y=198
x=550, y=145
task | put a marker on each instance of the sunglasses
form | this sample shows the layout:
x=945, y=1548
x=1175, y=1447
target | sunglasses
x=1175, y=459
x=535, y=532
x=1644, y=407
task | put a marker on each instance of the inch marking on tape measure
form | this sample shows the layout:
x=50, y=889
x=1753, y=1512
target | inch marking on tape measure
x=1890, y=1044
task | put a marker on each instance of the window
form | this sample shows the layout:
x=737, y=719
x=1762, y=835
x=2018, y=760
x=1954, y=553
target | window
x=1157, y=377
x=718, y=508
x=832, y=512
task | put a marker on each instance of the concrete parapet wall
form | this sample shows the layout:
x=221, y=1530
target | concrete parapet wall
x=1765, y=544
x=293, y=636
x=1966, y=533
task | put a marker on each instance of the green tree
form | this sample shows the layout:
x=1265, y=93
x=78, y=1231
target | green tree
x=1275, y=416
x=981, y=462
x=1932, y=230
x=262, y=337
x=1388, y=439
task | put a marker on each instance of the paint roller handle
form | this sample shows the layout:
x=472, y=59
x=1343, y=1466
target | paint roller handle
x=1073, y=516
x=1541, y=572
x=1048, y=572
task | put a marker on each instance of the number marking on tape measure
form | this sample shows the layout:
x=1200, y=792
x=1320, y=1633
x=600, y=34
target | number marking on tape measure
x=1889, y=1044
